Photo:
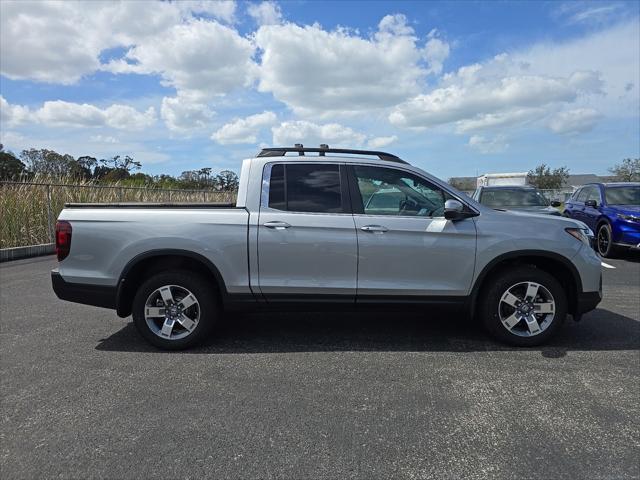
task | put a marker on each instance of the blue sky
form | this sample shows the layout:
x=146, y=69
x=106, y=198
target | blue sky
x=457, y=88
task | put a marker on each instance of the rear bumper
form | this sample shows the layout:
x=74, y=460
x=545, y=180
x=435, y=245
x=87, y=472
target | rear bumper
x=96, y=295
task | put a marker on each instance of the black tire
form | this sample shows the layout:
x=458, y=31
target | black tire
x=207, y=307
x=604, y=243
x=490, y=303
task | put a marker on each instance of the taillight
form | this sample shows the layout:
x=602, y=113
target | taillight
x=63, y=239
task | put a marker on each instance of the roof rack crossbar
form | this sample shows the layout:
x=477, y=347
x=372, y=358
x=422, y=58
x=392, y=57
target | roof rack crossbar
x=282, y=151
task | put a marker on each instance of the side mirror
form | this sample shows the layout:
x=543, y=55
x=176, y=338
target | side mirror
x=453, y=209
x=591, y=203
x=556, y=203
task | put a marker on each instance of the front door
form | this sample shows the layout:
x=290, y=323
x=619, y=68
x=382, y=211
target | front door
x=406, y=246
x=591, y=214
x=307, y=245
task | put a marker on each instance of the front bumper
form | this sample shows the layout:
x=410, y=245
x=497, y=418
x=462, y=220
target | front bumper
x=96, y=295
x=626, y=234
x=587, y=301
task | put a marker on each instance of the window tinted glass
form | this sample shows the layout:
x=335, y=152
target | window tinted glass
x=516, y=197
x=276, y=188
x=305, y=188
x=387, y=191
x=629, y=195
x=313, y=188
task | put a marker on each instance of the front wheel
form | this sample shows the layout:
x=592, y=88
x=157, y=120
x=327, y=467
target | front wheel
x=523, y=306
x=174, y=310
x=604, y=243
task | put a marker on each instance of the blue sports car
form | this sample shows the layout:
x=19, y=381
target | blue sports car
x=612, y=211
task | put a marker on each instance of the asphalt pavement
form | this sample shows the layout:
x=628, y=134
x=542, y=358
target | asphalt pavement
x=315, y=395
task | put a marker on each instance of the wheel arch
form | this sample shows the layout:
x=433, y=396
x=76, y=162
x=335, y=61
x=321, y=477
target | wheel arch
x=156, y=261
x=555, y=264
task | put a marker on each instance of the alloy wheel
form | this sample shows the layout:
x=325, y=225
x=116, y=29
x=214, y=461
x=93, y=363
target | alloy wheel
x=603, y=241
x=172, y=312
x=526, y=309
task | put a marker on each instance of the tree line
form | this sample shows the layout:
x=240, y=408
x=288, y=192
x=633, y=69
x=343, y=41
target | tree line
x=123, y=170
x=545, y=178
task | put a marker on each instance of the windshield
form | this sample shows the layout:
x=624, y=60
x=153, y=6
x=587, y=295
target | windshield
x=517, y=197
x=628, y=195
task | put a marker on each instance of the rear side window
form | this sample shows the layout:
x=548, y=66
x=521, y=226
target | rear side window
x=309, y=187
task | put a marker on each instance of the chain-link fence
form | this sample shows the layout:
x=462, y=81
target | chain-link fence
x=28, y=210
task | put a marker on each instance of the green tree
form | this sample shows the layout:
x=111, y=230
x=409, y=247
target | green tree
x=116, y=168
x=545, y=178
x=82, y=168
x=227, y=180
x=47, y=162
x=463, y=184
x=627, y=171
x=11, y=168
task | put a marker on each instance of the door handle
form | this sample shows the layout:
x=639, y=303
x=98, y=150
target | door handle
x=374, y=228
x=277, y=225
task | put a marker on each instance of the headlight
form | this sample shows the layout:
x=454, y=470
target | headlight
x=629, y=218
x=583, y=234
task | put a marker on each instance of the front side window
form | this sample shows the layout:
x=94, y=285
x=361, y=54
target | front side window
x=594, y=194
x=387, y=191
x=582, y=196
x=309, y=187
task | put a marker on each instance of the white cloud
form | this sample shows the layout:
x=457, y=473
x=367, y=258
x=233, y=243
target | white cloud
x=12, y=115
x=534, y=86
x=574, y=121
x=265, y=13
x=201, y=59
x=496, y=93
x=379, y=142
x=223, y=9
x=59, y=113
x=613, y=52
x=183, y=116
x=589, y=12
x=518, y=116
x=486, y=145
x=315, y=71
x=457, y=102
x=59, y=42
x=244, y=130
x=103, y=139
x=66, y=114
x=436, y=52
x=312, y=134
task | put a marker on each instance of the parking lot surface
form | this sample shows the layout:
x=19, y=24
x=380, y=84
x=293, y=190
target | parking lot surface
x=315, y=395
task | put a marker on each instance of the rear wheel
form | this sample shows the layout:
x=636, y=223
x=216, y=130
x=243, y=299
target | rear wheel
x=523, y=306
x=175, y=309
x=604, y=243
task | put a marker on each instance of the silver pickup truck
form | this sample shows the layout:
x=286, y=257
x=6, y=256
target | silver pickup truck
x=312, y=226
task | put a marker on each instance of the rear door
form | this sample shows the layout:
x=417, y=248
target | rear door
x=307, y=245
x=406, y=246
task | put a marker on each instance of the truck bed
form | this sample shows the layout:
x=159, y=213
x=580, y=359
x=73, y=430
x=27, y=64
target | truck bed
x=152, y=205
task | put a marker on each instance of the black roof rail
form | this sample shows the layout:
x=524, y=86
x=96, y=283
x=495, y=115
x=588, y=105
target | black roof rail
x=282, y=151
